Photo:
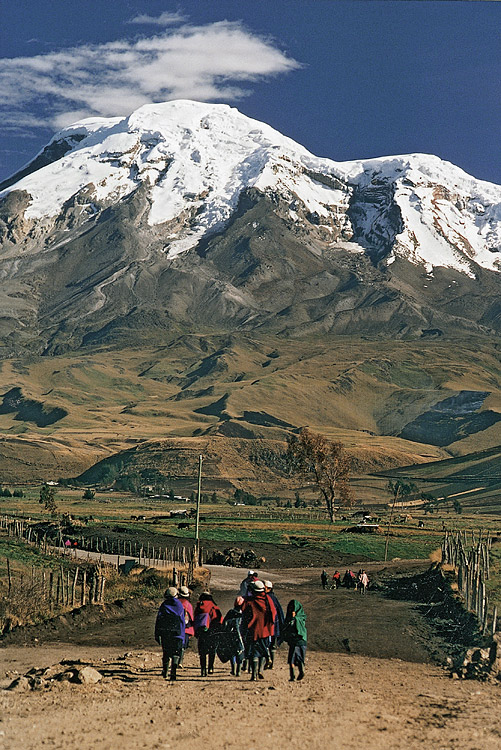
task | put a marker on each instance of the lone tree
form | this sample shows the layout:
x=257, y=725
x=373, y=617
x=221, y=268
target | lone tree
x=324, y=463
x=48, y=499
x=398, y=489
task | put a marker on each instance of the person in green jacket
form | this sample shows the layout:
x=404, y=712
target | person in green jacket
x=295, y=635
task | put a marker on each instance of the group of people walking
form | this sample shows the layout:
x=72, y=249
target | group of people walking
x=359, y=581
x=247, y=636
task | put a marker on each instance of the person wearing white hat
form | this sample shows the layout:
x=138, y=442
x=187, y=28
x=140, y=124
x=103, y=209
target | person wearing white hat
x=258, y=617
x=245, y=586
x=184, y=598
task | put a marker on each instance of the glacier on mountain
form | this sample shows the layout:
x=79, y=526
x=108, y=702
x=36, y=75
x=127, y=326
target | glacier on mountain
x=196, y=159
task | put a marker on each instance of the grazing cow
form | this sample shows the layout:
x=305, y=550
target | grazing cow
x=183, y=525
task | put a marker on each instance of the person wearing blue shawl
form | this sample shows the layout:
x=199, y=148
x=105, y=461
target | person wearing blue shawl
x=170, y=632
x=295, y=634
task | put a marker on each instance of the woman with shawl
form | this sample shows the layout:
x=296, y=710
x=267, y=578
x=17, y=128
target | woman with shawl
x=170, y=632
x=295, y=635
x=207, y=625
x=259, y=614
x=184, y=598
x=231, y=644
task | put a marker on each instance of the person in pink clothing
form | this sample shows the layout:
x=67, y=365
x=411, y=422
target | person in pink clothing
x=184, y=598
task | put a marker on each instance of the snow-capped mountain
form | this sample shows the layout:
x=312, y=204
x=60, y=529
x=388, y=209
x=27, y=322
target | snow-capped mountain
x=188, y=212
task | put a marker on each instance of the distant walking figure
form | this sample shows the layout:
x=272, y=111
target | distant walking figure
x=170, y=632
x=336, y=580
x=349, y=580
x=324, y=579
x=363, y=582
x=295, y=635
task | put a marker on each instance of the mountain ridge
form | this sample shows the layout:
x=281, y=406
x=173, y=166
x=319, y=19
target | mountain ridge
x=186, y=214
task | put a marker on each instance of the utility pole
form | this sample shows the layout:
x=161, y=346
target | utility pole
x=197, y=520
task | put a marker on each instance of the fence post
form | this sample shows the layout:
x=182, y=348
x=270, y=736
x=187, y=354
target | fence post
x=74, y=587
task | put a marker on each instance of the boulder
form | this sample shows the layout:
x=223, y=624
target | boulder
x=88, y=676
x=20, y=685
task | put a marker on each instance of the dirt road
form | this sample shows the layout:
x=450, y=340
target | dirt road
x=351, y=697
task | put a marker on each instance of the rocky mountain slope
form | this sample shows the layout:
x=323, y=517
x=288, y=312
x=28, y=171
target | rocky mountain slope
x=188, y=215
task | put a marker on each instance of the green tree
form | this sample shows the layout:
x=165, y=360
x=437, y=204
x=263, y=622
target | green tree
x=397, y=489
x=458, y=508
x=431, y=502
x=48, y=499
x=88, y=494
x=171, y=496
x=324, y=463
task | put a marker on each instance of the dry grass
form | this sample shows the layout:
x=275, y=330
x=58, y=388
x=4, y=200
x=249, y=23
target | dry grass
x=358, y=392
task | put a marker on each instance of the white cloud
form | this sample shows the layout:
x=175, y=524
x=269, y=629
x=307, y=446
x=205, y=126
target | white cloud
x=206, y=63
x=164, y=19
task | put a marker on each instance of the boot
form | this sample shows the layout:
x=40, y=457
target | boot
x=237, y=669
x=254, y=669
x=173, y=671
x=165, y=667
x=270, y=660
x=301, y=672
x=203, y=665
x=212, y=658
x=260, y=668
x=291, y=673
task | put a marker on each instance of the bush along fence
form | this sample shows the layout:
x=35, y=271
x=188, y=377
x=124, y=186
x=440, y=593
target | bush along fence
x=101, y=551
x=43, y=592
x=147, y=555
x=59, y=588
x=469, y=554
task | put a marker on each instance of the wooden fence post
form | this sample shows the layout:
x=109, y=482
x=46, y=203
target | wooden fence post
x=74, y=587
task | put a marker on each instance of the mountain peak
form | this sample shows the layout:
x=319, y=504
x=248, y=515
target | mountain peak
x=278, y=237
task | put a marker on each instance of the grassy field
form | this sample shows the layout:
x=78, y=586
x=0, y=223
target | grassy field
x=303, y=530
x=247, y=525
x=197, y=388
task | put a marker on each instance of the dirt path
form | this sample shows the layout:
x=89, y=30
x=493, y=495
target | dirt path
x=351, y=697
x=346, y=701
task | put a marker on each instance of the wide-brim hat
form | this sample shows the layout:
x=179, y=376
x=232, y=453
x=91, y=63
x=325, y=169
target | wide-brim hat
x=258, y=586
x=171, y=591
x=184, y=591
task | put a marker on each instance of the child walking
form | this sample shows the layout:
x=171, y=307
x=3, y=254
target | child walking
x=295, y=635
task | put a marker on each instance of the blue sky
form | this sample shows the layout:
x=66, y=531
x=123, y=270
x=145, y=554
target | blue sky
x=346, y=78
